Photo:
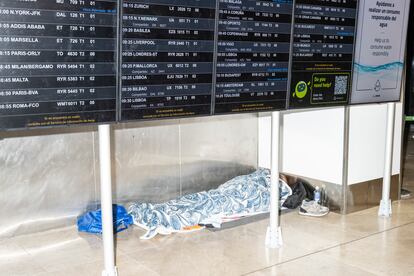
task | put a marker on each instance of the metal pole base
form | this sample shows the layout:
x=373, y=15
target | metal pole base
x=274, y=238
x=385, y=209
x=113, y=272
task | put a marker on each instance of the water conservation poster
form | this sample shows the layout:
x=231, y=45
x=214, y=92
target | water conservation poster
x=380, y=51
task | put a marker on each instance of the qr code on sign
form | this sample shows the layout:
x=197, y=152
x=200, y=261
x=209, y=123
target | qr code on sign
x=341, y=85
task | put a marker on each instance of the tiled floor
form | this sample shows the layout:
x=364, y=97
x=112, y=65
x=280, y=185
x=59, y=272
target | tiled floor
x=357, y=244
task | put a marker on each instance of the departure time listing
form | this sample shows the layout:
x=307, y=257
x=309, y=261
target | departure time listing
x=57, y=62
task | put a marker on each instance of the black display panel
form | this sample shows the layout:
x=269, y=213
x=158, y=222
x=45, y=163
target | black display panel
x=322, y=52
x=167, y=58
x=57, y=62
x=252, y=55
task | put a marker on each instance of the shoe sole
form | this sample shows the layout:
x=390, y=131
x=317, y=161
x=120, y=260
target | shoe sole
x=312, y=215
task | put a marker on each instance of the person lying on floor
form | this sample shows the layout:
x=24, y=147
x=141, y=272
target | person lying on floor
x=241, y=196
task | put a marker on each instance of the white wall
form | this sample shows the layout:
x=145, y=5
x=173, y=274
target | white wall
x=313, y=143
x=367, y=142
x=264, y=139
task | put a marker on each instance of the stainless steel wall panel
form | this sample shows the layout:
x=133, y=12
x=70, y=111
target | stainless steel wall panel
x=43, y=180
x=215, y=149
x=146, y=162
x=48, y=177
x=368, y=194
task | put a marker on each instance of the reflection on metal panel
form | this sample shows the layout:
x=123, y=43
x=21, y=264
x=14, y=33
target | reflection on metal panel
x=44, y=179
x=334, y=192
x=48, y=178
x=216, y=149
x=368, y=194
x=147, y=164
x=205, y=175
x=359, y=196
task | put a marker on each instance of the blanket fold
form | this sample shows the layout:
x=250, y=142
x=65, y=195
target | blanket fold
x=241, y=196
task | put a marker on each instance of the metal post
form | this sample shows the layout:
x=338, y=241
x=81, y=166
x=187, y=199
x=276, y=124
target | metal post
x=106, y=200
x=345, y=164
x=274, y=232
x=385, y=209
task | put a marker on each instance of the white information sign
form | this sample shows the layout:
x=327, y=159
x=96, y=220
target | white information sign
x=380, y=51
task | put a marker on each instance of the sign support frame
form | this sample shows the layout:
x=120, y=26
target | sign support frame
x=345, y=162
x=274, y=231
x=106, y=200
x=385, y=209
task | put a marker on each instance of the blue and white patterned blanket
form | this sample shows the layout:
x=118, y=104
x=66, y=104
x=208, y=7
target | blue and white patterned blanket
x=241, y=196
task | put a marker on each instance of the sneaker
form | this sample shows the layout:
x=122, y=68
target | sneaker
x=405, y=193
x=312, y=209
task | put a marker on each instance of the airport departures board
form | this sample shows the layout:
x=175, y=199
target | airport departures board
x=167, y=58
x=322, y=52
x=57, y=62
x=65, y=62
x=252, y=55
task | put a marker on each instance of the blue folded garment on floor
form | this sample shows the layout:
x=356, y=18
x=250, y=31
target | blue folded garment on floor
x=242, y=196
x=91, y=222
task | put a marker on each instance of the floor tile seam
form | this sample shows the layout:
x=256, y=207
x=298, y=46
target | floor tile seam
x=141, y=264
x=30, y=249
x=26, y=251
x=294, y=259
x=364, y=269
x=308, y=255
x=33, y=253
x=329, y=248
x=98, y=259
x=42, y=232
x=78, y=264
x=360, y=269
x=54, y=271
x=129, y=251
x=122, y=251
x=22, y=248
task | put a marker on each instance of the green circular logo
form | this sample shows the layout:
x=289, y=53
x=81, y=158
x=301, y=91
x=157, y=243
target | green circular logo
x=301, y=89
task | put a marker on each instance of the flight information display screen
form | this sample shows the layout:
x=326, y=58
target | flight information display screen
x=252, y=55
x=167, y=58
x=57, y=62
x=65, y=62
x=322, y=55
